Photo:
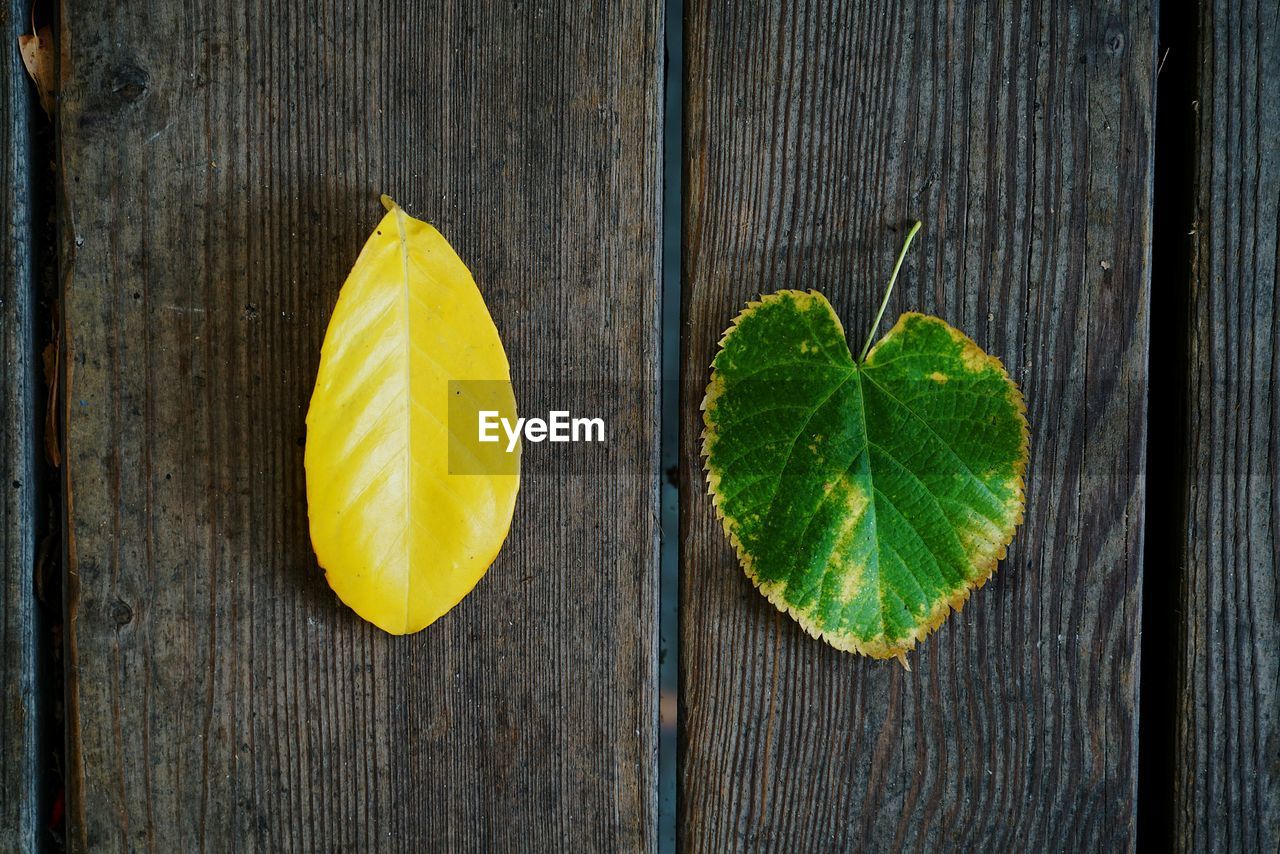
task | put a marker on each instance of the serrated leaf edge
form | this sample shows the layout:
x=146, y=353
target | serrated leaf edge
x=774, y=592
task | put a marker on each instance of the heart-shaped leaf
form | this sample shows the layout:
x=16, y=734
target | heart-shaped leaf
x=401, y=539
x=865, y=499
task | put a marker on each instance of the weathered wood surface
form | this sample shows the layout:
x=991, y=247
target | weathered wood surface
x=1022, y=135
x=1227, y=780
x=20, y=759
x=222, y=166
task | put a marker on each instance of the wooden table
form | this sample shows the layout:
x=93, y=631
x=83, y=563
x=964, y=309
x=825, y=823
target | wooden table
x=177, y=674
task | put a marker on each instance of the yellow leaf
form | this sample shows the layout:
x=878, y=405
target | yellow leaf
x=401, y=539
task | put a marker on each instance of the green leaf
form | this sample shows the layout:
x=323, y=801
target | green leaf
x=865, y=499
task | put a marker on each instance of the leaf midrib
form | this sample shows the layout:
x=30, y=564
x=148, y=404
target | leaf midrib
x=871, y=504
x=406, y=296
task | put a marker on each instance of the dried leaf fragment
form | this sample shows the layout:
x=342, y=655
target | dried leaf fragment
x=50, y=360
x=38, y=57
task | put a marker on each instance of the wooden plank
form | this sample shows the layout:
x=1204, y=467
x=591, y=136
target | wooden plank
x=222, y=167
x=1227, y=775
x=20, y=751
x=1022, y=135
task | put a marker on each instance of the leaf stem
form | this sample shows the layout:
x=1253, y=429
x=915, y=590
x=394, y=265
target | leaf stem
x=884, y=303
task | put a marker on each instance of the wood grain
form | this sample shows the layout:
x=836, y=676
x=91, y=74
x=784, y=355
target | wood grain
x=222, y=166
x=20, y=747
x=1227, y=775
x=1021, y=133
